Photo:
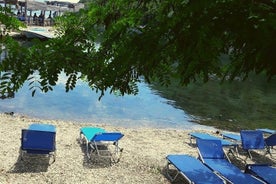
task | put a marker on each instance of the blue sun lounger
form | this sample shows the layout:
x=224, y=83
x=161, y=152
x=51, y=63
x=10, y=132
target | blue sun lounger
x=39, y=139
x=212, y=155
x=225, y=143
x=232, y=136
x=99, y=140
x=192, y=169
x=252, y=140
x=265, y=172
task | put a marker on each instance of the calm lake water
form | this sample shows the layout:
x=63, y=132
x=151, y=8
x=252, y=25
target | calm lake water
x=82, y=105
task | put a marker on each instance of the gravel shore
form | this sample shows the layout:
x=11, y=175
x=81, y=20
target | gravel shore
x=143, y=158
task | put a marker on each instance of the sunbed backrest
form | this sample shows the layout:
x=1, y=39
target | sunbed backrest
x=89, y=132
x=271, y=140
x=210, y=149
x=38, y=140
x=252, y=139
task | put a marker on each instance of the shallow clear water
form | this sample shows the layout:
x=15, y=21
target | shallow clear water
x=82, y=105
x=42, y=29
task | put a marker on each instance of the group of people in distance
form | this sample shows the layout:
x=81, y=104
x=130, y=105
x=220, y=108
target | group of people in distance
x=37, y=20
x=40, y=20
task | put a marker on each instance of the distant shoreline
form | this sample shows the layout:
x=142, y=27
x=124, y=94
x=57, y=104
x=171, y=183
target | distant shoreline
x=125, y=123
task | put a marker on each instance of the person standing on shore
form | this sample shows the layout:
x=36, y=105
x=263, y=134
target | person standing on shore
x=41, y=19
x=35, y=19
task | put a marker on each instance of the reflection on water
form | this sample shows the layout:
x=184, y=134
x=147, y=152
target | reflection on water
x=229, y=105
x=82, y=105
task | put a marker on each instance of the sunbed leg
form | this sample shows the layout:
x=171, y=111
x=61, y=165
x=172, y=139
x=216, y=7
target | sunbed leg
x=21, y=155
x=233, y=151
x=171, y=178
x=54, y=157
x=118, y=151
x=237, y=151
x=268, y=150
x=87, y=152
x=80, y=138
x=247, y=156
x=191, y=142
x=250, y=156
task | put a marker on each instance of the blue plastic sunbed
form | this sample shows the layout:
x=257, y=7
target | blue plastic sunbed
x=198, y=135
x=100, y=142
x=232, y=136
x=265, y=172
x=212, y=154
x=193, y=170
x=38, y=139
x=98, y=138
x=252, y=140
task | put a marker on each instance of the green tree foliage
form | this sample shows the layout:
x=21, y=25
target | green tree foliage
x=112, y=44
x=7, y=21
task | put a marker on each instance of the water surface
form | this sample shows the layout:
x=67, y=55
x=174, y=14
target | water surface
x=82, y=105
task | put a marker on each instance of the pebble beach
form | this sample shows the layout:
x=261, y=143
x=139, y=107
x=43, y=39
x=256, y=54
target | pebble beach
x=143, y=158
